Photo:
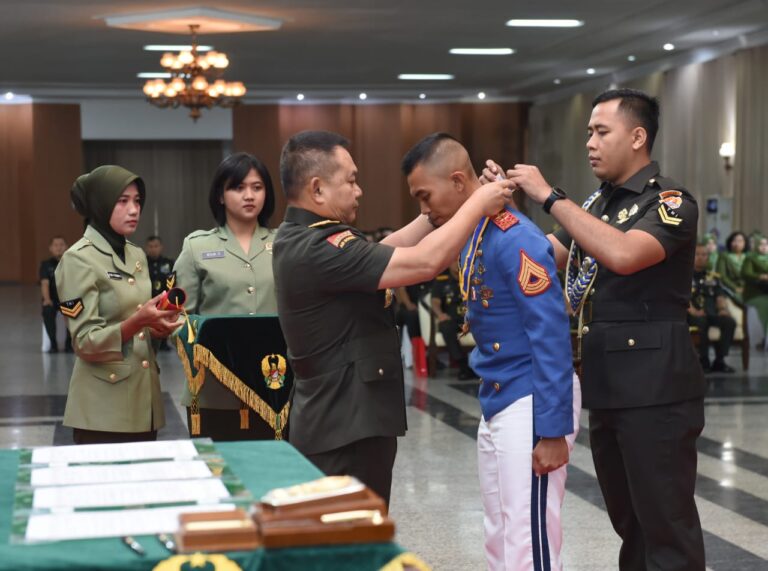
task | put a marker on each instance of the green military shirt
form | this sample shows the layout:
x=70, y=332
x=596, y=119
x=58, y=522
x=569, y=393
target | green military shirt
x=220, y=279
x=341, y=335
x=115, y=386
x=636, y=347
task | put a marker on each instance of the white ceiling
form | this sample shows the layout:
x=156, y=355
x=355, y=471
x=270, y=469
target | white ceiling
x=334, y=49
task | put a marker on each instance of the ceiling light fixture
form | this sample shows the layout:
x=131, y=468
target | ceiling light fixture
x=669, y=47
x=8, y=96
x=591, y=71
x=363, y=96
x=422, y=95
x=195, y=81
x=482, y=51
x=154, y=75
x=175, y=48
x=481, y=95
x=300, y=97
x=557, y=81
x=631, y=58
x=563, y=23
x=425, y=76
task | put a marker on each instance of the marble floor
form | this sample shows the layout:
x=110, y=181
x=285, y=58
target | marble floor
x=435, y=497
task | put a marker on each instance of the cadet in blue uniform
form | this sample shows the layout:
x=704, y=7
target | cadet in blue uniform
x=348, y=403
x=630, y=266
x=529, y=396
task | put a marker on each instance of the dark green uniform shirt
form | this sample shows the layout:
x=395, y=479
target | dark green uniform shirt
x=636, y=347
x=342, y=341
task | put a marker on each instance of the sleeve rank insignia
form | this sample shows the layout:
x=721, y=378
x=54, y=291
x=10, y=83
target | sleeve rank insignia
x=341, y=239
x=505, y=220
x=71, y=308
x=668, y=218
x=533, y=278
x=170, y=281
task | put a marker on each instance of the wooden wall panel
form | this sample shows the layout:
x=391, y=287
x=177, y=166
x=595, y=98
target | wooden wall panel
x=381, y=134
x=40, y=157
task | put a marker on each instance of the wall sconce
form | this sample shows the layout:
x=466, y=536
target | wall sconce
x=727, y=151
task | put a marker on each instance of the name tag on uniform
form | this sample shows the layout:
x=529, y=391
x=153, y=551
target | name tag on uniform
x=213, y=255
x=114, y=276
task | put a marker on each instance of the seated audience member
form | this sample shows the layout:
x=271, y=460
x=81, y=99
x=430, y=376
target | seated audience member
x=729, y=264
x=755, y=274
x=708, y=309
x=449, y=311
x=50, y=296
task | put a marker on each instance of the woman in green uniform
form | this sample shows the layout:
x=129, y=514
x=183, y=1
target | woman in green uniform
x=755, y=273
x=227, y=270
x=729, y=264
x=114, y=393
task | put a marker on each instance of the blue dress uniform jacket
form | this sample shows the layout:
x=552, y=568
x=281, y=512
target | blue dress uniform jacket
x=516, y=313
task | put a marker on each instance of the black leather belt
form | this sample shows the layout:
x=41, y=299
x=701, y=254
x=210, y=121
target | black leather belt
x=349, y=352
x=639, y=311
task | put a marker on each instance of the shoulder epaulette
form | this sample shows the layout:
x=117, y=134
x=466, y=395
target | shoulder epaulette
x=199, y=233
x=323, y=223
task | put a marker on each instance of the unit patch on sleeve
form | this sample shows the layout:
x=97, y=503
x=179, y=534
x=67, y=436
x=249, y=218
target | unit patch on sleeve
x=671, y=198
x=533, y=278
x=341, y=239
x=505, y=220
x=71, y=308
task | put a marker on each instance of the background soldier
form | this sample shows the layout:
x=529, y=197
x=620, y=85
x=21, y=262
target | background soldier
x=160, y=268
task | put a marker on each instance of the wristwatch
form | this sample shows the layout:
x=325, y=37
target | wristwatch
x=557, y=194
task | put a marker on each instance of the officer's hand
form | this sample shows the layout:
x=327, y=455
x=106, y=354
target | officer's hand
x=528, y=178
x=493, y=196
x=150, y=316
x=164, y=328
x=47, y=303
x=491, y=171
x=549, y=454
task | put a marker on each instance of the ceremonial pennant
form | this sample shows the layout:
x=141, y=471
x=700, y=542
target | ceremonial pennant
x=533, y=278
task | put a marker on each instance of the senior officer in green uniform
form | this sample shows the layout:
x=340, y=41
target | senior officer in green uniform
x=114, y=393
x=227, y=270
x=334, y=306
x=629, y=268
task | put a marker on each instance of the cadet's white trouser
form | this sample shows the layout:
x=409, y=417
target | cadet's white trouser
x=521, y=510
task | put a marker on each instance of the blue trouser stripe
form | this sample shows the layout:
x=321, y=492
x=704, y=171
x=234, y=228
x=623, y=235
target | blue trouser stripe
x=539, y=521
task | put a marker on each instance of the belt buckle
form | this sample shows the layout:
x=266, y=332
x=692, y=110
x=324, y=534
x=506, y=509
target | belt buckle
x=586, y=313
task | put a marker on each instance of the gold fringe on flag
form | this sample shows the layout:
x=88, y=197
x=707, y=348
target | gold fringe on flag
x=406, y=561
x=195, y=383
x=205, y=359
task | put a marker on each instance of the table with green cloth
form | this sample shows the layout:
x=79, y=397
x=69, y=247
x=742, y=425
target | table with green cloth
x=261, y=465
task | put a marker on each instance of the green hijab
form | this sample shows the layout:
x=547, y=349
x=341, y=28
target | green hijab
x=95, y=194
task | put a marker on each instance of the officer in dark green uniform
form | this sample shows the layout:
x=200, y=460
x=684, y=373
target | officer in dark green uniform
x=159, y=268
x=629, y=280
x=449, y=310
x=334, y=303
x=707, y=310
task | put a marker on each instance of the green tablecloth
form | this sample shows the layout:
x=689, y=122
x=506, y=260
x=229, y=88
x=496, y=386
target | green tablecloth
x=261, y=465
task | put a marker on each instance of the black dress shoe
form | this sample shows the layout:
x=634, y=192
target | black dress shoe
x=720, y=367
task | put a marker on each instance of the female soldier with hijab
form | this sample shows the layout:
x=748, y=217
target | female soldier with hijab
x=227, y=270
x=114, y=393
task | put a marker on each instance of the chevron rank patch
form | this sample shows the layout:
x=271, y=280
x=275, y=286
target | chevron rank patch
x=505, y=220
x=71, y=308
x=170, y=281
x=533, y=278
x=341, y=239
x=668, y=218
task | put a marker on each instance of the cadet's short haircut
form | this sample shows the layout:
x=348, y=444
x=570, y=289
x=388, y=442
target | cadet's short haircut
x=153, y=238
x=423, y=151
x=308, y=154
x=638, y=105
x=231, y=172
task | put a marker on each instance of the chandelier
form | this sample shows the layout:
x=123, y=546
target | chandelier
x=195, y=81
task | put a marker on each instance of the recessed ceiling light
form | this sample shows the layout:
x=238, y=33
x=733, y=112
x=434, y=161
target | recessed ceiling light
x=481, y=95
x=715, y=33
x=422, y=95
x=631, y=58
x=557, y=81
x=669, y=47
x=9, y=95
x=153, y=75
x=482, y=51
x=300, y=97
x=545, y=23
x=363, y=96
x=425, y=76
x=591, y=71
x=172, y=48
